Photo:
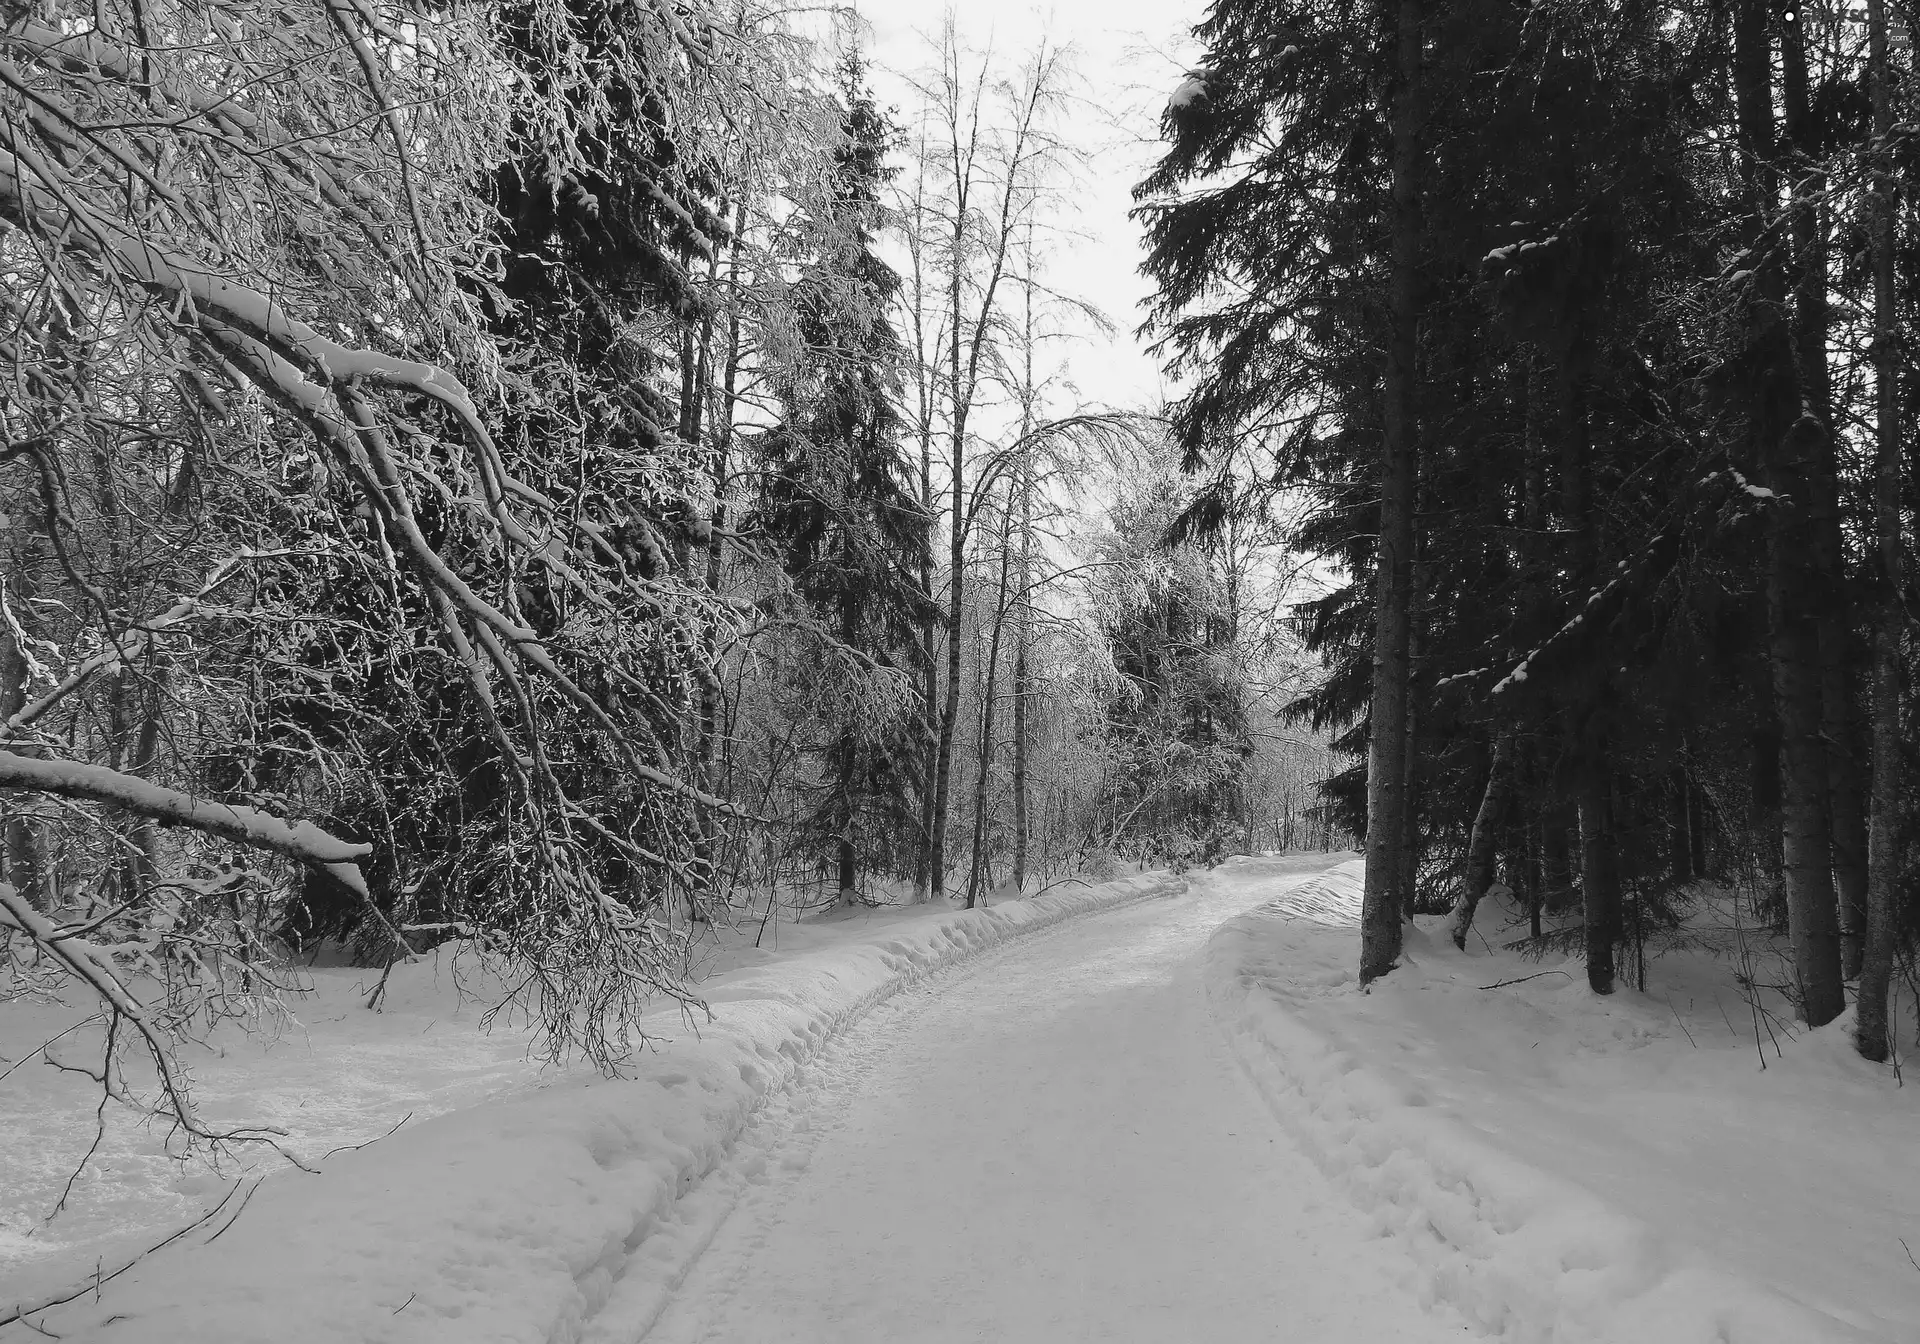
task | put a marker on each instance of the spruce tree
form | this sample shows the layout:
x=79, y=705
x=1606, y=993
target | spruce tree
x=837, y=499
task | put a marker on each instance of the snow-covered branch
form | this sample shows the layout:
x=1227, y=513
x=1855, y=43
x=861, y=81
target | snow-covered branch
x=301, y=841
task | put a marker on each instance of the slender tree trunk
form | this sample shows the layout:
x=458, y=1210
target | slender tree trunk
x=1023, y=610
x=1699, y=828
x=1006, y=209
x=696, y=387
x=1411, y=841
x=1589, y=747
x=930, y=690
x=1840, y=730
x=1022, y=683
x=143, y=859
x=1536, y=884
x=925, y=391
x=1873, y=1035
x=21, y=864
x=706, y=847
x=847, y=763
x=950, y=710
x=1763, y=808
x=1599, y=872
x=1556, y=855
x=989, y=745
x=960, y=396
x=1413, y=845
x=1480, y=845
x=1679, y=829
x=1387, y=802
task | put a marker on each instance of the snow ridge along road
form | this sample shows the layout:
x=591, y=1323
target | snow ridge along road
x=1054, y=1146
x=516, y=1221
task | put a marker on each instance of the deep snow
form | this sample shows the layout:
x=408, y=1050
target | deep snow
x=509, y=1217
x=919, y=1125
x=1571, y=1168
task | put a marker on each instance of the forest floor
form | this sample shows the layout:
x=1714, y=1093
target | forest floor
x=1173, y=1119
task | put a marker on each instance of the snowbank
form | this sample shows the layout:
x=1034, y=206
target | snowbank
x=516, y=1219
x=1502, y=1136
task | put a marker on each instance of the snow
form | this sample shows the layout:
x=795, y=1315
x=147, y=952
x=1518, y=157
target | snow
x=1191, y=89
x=1177, y=1118
x=300, y=840
x=1513, y=250
x=511, y=1203
x=1578, y=1169
x=1056, y=1148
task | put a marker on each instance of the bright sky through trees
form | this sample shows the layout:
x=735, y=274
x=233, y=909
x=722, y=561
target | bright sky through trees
x=1127, y=57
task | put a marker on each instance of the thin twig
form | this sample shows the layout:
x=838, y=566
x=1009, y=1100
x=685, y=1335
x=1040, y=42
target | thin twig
x=244, y=1200
x=93, y=1284
x=356, y=1147
x=1502, y=984
x=88, y=1020
x=1682, y=1021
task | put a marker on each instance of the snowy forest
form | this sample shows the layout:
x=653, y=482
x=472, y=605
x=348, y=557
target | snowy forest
x=566, y=490
x=556, y=476
x=1589, y=345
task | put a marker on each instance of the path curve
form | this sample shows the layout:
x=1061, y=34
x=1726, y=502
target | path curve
x=1050, y=1145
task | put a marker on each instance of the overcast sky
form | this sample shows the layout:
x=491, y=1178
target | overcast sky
x=1128, y=56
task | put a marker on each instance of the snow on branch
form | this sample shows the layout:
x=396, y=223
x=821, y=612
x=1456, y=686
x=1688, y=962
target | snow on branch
x=298, y=840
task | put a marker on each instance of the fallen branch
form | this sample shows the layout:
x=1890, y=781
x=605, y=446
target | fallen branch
x=356, y=1147
x=1502, y=984
x=20, y=1313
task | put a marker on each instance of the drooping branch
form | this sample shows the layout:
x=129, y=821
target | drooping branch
x=301, y=841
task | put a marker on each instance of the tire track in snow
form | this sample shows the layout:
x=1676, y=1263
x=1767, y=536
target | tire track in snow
x=1052, y=1145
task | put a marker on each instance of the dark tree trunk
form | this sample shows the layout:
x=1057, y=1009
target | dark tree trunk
x=1413, y=846
x=1679, y=827
x=1697, y=828
x=1022, y=826
x=950, y=710
x=1480, y=845
x=1556, y=855
x=21, y=862
x=696, y=387
x=1600, y=874
x=1530, y=868
x=989, y=745
x=1839, y=692
x=1763, y=806
x=930, y=688
x=1873, y=1035
x=847, y=754
x=706, y=849
x=847, y=864
x=1786, y=433
x=1840, y=724
x=1387, y=802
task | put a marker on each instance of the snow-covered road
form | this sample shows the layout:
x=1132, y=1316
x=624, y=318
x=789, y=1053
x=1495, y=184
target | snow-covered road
x=1050, y=1144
